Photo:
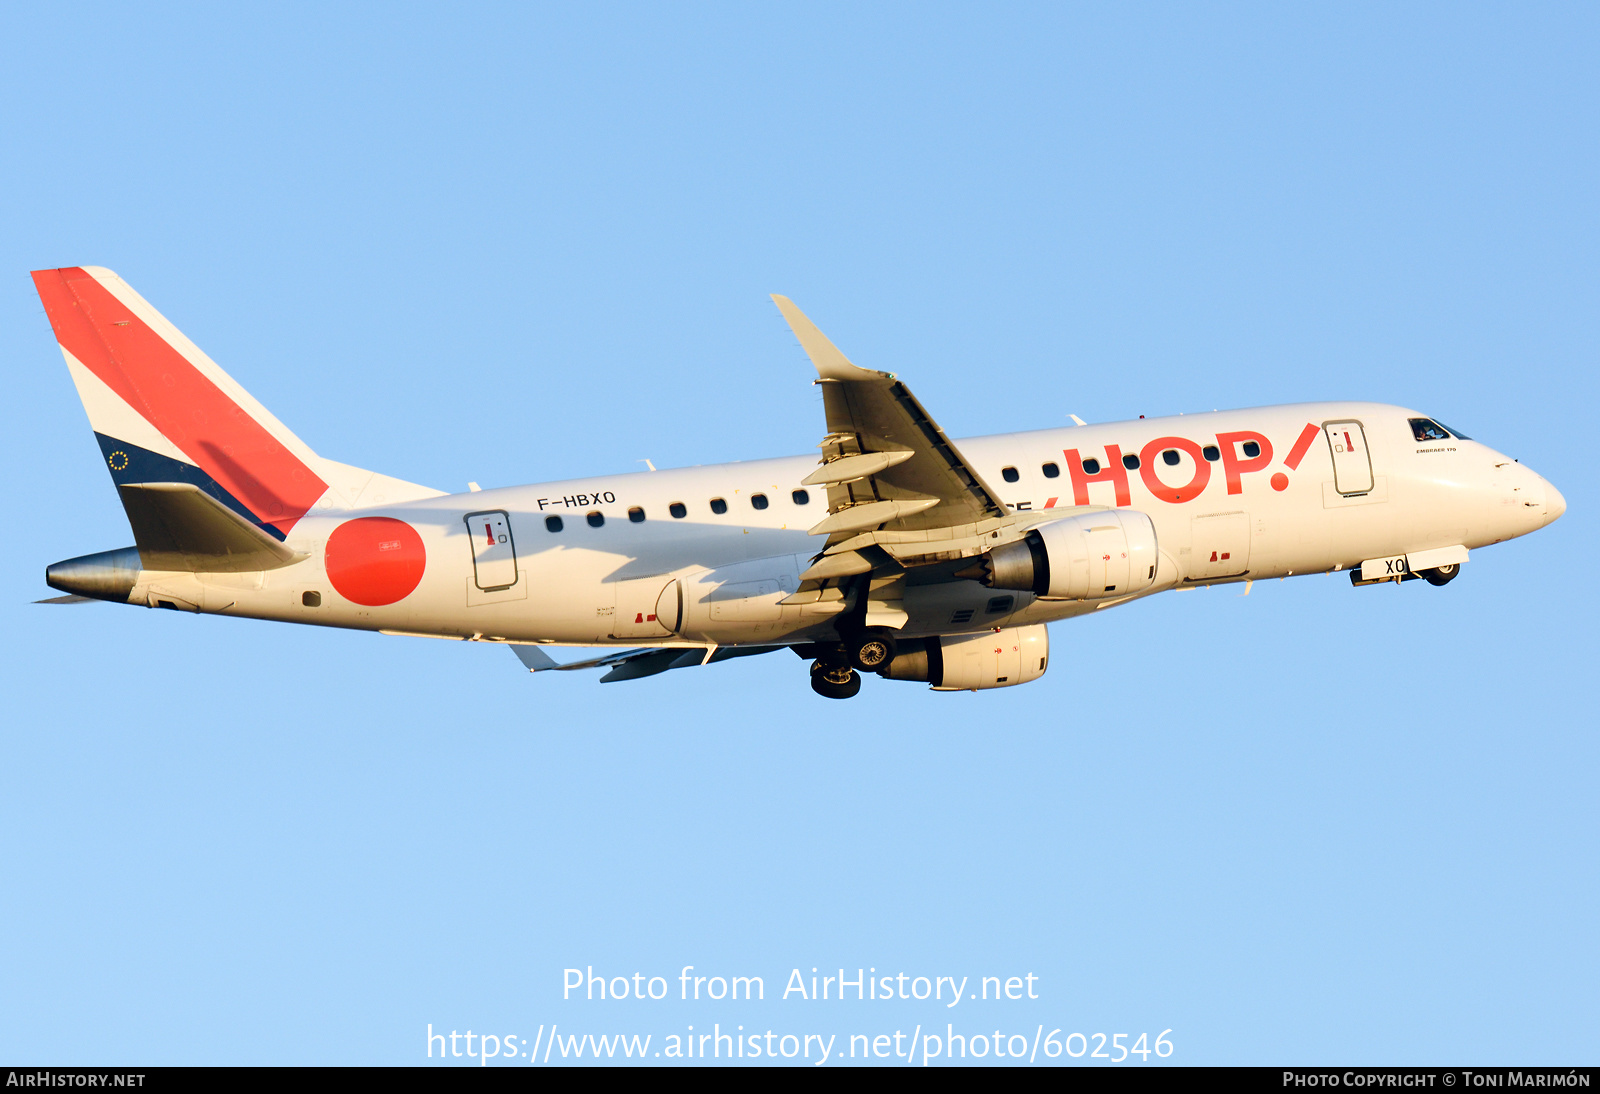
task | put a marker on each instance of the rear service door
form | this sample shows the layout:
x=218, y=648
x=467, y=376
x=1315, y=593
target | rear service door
x=1352, y=464
x=494, y=555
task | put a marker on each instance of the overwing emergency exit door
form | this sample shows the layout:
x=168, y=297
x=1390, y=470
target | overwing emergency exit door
x=635, y=616
x=1220, y=547
x=494, y=555
x=1352, y=463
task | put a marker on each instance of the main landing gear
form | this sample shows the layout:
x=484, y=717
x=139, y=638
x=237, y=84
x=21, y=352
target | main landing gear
x=836, y=672
x=834, y=682
x=871, y=650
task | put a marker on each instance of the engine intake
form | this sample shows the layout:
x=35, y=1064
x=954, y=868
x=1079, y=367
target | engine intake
x=1086, y=557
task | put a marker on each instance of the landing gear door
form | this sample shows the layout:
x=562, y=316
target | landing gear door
x=1352, y=463
x=494, y=555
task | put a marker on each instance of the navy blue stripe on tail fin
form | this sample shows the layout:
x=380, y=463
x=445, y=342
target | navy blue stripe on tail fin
x=129, y=463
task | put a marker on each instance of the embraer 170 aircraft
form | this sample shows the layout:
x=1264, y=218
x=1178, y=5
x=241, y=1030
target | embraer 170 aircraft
x=899, y=552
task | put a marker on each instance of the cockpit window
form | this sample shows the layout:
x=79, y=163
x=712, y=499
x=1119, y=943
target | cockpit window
x=1426, y=429
x=1456, y=433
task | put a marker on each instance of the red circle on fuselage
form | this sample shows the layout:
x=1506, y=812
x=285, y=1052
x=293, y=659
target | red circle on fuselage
x=375, y=560
x=1280, y=481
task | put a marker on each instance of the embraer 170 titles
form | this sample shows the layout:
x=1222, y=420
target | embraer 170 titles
x=899, y=552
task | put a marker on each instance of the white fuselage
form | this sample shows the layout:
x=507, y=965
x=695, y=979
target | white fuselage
x=597, y=585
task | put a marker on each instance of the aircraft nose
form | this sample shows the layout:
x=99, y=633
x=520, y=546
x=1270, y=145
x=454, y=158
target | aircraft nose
x=1554, y=503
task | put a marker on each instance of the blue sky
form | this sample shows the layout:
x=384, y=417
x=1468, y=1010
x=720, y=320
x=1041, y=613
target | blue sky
x=1316, y=824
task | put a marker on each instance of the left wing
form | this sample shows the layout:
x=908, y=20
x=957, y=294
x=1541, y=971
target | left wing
x=634, y=664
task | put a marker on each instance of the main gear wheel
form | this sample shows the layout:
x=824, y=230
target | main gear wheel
x=872, y=650
x=834, y=682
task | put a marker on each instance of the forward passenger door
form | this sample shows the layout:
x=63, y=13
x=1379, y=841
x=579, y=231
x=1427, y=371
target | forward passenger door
x=1352, y=463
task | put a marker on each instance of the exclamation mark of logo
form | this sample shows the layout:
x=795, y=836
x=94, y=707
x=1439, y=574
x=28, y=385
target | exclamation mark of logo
x=1302, y=445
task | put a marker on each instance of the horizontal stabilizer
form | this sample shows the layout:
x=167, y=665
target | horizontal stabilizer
x=178, y=526
x=70, y=598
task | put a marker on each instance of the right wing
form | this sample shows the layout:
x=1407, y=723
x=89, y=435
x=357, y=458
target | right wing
x=886, y=463
x=900, y=494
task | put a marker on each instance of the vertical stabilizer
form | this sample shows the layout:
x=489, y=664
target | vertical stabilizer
x=165, y=412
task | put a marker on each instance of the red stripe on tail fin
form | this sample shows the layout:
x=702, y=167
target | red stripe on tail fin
x=152, y=377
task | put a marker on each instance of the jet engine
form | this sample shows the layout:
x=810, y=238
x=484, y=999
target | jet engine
x=970, y=662
x=1086, y=557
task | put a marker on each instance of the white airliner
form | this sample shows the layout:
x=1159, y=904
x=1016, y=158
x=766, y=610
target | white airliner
x=897, y=552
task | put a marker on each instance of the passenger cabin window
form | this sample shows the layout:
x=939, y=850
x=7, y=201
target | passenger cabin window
x=1051, y=471
x=1212, y=453
x=719, y=506
x=1131, y=462
x=311, y=599
x=1426, y=429
x=801, y=497
x=596, y=519
x=1170, y=457
x=758, y=500
x=1251, y=449
x=552, y=524
x=1009, y=474
x=636, y=515
x=1091, y=467
x=678, y=510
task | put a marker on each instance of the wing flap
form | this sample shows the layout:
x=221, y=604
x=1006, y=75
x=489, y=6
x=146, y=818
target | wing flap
x=870, y=514
x=849, y=468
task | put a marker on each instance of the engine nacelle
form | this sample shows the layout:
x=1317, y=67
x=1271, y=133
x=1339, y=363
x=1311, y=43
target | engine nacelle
x=1086, y=557
x=970, y=662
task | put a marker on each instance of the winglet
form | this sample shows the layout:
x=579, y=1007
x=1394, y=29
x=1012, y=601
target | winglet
x=831, y=364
